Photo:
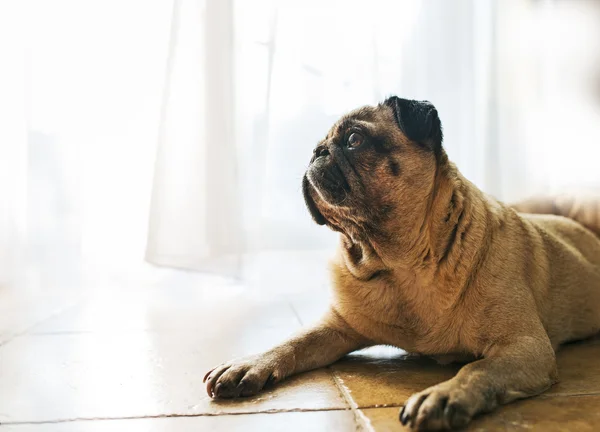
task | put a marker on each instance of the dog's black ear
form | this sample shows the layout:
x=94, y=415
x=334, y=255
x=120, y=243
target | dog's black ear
x=310, y=203
x=418, y=120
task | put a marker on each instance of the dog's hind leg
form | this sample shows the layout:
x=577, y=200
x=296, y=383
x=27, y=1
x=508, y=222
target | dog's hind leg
x=581, y=207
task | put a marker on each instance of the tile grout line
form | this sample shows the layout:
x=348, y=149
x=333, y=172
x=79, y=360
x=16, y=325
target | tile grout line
x=361, y=421
x=557, y=395
x=352, y=407
x=290, y=304
x=52, y=314
x=174, y=415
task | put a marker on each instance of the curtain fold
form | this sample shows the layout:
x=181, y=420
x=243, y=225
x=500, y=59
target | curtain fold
x=194, y=213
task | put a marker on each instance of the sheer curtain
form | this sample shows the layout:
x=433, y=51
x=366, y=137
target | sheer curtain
x=13, y=149
x=80, y=91
x=252, y=86
x=180, y=129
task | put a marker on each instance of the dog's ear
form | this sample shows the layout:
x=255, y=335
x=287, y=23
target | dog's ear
x=418, y=120
x=310, y=203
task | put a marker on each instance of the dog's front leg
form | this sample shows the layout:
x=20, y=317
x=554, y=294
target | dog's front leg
x=318, y=346
x=520, y=368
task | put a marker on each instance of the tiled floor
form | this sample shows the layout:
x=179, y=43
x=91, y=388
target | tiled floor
x=134, y=360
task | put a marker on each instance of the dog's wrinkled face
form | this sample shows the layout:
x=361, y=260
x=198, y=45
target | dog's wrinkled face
x=375, y=163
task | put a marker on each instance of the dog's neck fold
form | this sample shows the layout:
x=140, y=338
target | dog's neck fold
x=446, y=233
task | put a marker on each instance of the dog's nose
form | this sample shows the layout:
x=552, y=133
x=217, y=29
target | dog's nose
x=321, y=151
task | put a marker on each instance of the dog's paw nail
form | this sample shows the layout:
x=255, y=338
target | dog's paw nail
x=241, y=387
x=403, y=416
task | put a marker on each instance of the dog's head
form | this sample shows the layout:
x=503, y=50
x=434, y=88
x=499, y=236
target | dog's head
x=376, y=164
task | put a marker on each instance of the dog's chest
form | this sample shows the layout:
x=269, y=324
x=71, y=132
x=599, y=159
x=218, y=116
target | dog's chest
x=380, y=311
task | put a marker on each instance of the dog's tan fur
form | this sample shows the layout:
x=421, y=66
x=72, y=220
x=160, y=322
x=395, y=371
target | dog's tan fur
x=429, y=263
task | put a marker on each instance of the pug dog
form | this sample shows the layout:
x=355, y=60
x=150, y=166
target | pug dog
x=429, y=263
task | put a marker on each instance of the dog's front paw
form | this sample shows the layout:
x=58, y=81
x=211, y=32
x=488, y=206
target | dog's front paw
x=441, y=407
x=243, y=377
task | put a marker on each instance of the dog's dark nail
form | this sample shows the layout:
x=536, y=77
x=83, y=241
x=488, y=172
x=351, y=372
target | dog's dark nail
x=403, y=417
x=207, y=376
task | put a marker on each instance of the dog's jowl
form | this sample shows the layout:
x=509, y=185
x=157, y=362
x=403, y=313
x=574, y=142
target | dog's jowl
x=429, y=263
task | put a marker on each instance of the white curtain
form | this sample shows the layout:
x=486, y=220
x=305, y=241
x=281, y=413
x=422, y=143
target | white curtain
x=245, y=104
x=195, y=210
x=13, y=148
x=80, y=91
x=180, y=129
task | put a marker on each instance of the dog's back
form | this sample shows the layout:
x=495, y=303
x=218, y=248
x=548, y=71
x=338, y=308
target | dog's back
x=570, y=228
x=582, y=208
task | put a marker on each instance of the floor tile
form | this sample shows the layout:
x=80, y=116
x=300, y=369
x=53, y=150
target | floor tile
x=177, y=308
x=316, y=421
x=382, y=419
x=290, y=272
x=381, y=376
x=575, y=413
x=310, y=306
x=22, y=310
x=578, y=368
x=98, y=375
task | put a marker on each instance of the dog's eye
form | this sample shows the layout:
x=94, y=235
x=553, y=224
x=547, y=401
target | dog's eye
x=354, y=140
